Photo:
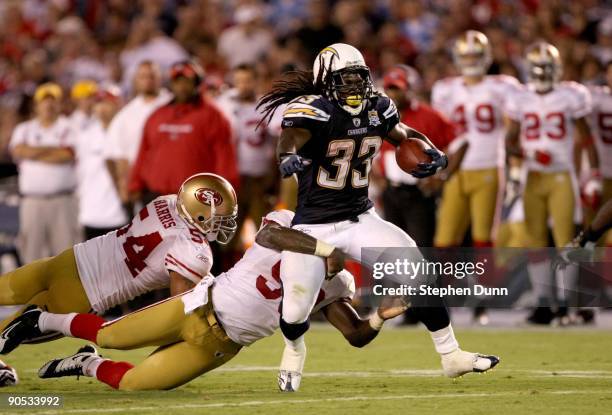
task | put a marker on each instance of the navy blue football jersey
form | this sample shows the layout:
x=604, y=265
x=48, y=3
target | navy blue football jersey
x=334, y=187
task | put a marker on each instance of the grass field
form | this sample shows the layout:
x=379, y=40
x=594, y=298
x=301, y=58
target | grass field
x=542, y=372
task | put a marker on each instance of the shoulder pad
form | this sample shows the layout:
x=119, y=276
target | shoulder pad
x=307, y=106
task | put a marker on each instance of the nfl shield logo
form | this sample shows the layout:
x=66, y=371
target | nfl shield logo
x=356, y=122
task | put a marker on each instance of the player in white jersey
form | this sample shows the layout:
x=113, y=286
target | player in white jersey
x=601, y=126
x=255, y=144
x=544, y=117
x=166, y=244
x=202, y=329
x=474, y=101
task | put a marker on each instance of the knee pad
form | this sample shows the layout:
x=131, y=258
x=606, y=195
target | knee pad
x=294, y=331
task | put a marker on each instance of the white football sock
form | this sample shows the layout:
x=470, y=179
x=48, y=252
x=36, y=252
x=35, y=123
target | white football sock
x=90, y=368
x=444, y=340
x=540, y=278
x=294, y=355
x=56, y=322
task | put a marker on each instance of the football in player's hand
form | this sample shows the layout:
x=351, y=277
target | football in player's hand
x=410, y=153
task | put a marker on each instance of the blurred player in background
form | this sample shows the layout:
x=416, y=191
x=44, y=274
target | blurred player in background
x=205, y=328
x=43, y=148
x=181, y=138
x=126, y=128
x=254, y=146
x=83, y=95
x=601, y=125
x=100, y=209
x=408, y=202
x=332, y=128
x=544, y=116
x=474, y=101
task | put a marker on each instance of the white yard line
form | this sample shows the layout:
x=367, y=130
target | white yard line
x=276, y=402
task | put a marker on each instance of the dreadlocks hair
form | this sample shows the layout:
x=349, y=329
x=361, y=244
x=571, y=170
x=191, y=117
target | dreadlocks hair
x=291, y=85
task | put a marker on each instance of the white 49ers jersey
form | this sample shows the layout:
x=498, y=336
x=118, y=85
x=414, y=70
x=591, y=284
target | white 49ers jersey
x=137, y=258
x=547, y=122
x=255, y=146
x=601, y=127
x=247, y=298
x=477, y=111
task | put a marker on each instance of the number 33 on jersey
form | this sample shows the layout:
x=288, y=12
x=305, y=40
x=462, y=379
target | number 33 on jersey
x=137, y=258
x=335, y=186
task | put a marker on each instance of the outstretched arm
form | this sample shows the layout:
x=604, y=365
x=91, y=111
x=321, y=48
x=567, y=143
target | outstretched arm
x=280, y=238
x=357, y=331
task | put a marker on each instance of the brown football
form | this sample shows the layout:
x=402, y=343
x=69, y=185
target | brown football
x=410, y=153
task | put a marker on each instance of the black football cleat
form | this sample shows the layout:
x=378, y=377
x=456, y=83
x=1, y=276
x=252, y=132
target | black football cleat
x=69, y=366
x=541, y=316
x=22, y=328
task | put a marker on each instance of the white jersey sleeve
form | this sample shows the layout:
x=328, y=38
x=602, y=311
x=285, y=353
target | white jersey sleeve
x=19, y=136
x=190, y=260
x=339, y=288
x=282, y=217
x=581, y=101
x=440, y=97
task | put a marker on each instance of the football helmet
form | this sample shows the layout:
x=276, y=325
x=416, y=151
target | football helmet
x=344, y=76
x=544, y=66
x=208, y=202
x=472, y=53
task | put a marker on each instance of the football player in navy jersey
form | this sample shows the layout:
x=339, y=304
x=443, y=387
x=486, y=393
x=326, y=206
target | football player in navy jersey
x=333, y=125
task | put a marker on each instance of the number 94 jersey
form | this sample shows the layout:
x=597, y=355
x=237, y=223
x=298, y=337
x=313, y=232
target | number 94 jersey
x=334, y=187
x=138, y=258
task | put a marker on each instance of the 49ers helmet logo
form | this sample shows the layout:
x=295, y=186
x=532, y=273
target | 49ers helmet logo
x=206, y=195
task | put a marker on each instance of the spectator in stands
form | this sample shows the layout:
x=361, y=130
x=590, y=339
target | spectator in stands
x=83, y=96
x=184, y=137
x=43, y=149
x=255, y=146
x=100, y=209
x=247, y=41
x=318, y=31
x=147, y=42
x=125, y=130
x=409, y=203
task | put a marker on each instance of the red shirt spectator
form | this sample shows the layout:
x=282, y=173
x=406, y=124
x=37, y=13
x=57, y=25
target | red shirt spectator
x=180, y=140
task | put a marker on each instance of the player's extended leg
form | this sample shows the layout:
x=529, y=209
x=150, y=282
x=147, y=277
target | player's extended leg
x=302, y=276
x=51, y=283
x=166, y=368
x=483, y=199
x=372, y=231
x=453, y=213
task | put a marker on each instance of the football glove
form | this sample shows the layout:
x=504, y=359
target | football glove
x=292, y=163
x=439, y=161
x=591, y=191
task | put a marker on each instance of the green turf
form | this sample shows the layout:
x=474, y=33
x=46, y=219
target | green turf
x=542, y=372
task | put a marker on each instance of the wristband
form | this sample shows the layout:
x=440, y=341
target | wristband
x=376, y=322
x=323, y=249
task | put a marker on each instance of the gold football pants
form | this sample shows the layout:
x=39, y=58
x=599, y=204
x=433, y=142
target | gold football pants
x=189, y=345
x=468, y=197
x=549, y=195
x=606, y=240
x=52, y=283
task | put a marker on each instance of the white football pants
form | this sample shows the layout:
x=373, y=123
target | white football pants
x=302, y=275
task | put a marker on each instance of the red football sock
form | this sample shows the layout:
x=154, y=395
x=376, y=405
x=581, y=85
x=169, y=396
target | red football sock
x=111, y=372
x=86, y=326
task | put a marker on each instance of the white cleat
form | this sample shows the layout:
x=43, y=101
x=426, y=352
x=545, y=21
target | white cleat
x=8, y=375
x=292, y=366
x=459, y=362
x=74, y=365
x=289, y=381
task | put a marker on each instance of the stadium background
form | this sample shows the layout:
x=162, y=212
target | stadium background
x=66, y=41
x=69, y=41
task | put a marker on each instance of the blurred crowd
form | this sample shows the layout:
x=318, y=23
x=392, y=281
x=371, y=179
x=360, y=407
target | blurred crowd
x=109, y=64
